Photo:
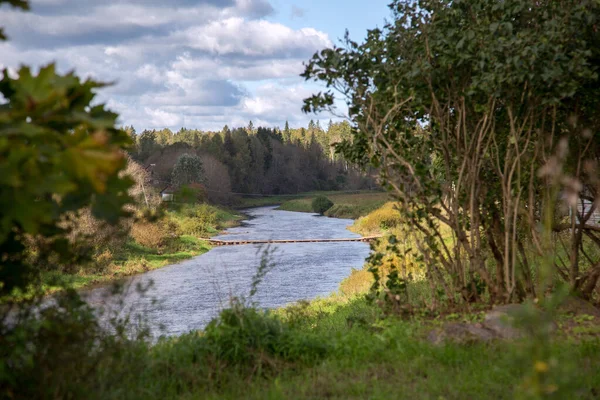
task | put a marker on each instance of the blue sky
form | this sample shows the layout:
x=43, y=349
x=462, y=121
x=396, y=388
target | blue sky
x=333, y=16
x=193, y=63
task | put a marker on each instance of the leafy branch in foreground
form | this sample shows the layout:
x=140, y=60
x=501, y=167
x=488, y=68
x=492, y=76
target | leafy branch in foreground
x=58, y=154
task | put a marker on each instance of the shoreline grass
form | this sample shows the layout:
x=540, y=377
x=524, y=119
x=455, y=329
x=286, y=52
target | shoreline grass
x=345, y=205
x=134, y=258
x=341, y=347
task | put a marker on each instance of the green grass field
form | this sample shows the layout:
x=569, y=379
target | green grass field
x=345, y=205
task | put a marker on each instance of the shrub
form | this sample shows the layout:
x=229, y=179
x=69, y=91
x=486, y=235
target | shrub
x=384, y=218
x=191, y=193
x=321, y=204
x=59, y=153
x=249, y=337
x=197, y=220
x=510, y=108
x=103, y=261
x=359, y=282
x=153, y=235
x=56, y=353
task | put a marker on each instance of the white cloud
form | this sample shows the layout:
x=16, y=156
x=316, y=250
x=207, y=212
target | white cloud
x=273, y=101
x=201, y=63
x=236, y=36
x=163, y=118
x=242, y=70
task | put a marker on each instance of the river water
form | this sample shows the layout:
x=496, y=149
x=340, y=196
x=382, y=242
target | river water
x=187, y=296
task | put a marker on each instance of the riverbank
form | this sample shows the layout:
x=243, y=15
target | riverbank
x=141, y=252
x=150, y=245
x=344, y=347
x=345, y=205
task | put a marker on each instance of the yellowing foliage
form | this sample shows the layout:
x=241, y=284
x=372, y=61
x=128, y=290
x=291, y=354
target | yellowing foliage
x=152, y=235
x=383, y=218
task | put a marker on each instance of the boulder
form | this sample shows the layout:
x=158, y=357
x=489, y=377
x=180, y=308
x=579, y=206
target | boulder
x=498, y=324
x=577, y=306
x=460, y=333
x=500, y=320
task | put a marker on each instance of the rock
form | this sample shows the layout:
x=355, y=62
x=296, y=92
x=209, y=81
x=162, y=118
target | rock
x=501, y=321
x=460, y=333
x=577, y=306
x=498, y=324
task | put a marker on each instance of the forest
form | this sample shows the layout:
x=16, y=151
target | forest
x=249, y=160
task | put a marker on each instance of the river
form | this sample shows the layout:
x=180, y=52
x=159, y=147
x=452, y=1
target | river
x=188, y=295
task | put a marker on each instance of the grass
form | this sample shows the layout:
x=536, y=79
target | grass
x=259, y=201
x=345, y=205
x=339, y=348
x=132, y=259
x=135, y=259
x=370, y=357
x=184, y=227
x=377, y=221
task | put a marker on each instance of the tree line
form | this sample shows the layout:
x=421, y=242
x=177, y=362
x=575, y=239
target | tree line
x=250, y=160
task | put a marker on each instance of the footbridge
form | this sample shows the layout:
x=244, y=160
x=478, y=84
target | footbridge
x=237, y=242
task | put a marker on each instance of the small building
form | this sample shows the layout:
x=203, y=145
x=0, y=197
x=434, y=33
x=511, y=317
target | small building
x=167, y=194
x=187, y=193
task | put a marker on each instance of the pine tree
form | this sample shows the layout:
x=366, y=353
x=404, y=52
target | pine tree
x=228, y=144
x=287, y=134
x=131, y=132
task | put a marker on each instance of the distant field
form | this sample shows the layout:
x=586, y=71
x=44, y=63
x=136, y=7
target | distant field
x=247, y=202
x=345, y=205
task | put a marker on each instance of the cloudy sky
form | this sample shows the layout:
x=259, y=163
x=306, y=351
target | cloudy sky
x=193, y=63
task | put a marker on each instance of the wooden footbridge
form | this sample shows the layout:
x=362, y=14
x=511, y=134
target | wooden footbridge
x=217, y=242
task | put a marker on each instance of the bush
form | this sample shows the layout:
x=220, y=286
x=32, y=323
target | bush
x=482, y=52
x=103, y=261
x=321, y=204
x=196, y=220
x=359, y=282
x=384, y=218
x=56, y=353
x=246, y=336
x=152, y=235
